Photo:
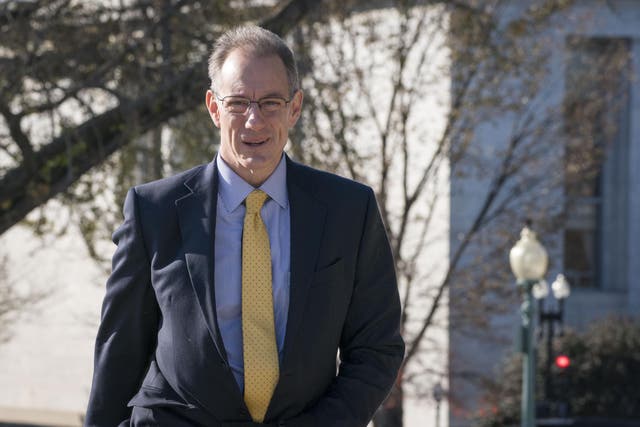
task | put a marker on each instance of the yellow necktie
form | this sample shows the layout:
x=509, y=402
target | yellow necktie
x=258, y=331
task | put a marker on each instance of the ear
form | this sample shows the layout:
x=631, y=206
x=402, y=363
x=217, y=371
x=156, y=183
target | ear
x=295, y=108
x=213, y=108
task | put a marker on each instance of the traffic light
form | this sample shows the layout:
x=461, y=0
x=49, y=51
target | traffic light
x=563, y=361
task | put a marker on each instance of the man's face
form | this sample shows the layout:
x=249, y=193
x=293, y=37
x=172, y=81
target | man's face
x=252, y=143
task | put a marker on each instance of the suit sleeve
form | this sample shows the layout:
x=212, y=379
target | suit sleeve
x=371, y=348
x=128, y=328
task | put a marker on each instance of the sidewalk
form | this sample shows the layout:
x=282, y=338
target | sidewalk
x=28, y=417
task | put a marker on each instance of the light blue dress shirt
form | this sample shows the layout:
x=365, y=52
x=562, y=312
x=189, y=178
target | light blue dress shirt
x=232, y=190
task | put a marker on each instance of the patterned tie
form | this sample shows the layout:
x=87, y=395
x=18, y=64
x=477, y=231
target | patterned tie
x=258, y=332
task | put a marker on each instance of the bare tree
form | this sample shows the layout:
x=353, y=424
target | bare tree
x=80, y=81
x=397, y=95
x=13, y=303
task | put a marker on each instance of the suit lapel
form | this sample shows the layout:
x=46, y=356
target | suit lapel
x=307, y=225
x=197, y=216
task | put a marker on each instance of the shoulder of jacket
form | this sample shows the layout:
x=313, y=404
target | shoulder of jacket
x=326, y=181
x=169, y=185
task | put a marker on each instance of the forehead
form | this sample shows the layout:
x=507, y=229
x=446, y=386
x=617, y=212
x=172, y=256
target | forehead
x=246, y=73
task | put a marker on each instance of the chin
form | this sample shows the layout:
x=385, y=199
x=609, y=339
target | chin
x=253, y=163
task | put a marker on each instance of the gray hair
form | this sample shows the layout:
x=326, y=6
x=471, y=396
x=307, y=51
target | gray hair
x=256, y=41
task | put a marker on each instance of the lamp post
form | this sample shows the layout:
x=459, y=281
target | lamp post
x=549, y=317
x=528, y=260
x=438, y=394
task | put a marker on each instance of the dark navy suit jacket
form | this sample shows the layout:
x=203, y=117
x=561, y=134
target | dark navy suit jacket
x=159, y=357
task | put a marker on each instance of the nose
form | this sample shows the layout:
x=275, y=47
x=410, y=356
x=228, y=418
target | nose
x=255, y=120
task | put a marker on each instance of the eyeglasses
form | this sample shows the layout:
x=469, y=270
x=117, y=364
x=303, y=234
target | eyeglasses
x=240, y=104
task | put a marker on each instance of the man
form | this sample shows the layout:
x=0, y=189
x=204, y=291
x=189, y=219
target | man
x=235, y=283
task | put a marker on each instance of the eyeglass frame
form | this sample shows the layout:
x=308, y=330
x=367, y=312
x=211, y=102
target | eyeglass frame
x=257, y=102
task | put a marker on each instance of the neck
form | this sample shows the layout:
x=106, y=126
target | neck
x=253, y=177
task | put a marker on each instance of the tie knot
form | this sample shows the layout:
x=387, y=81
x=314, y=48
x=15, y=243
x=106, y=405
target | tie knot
x=254, y=201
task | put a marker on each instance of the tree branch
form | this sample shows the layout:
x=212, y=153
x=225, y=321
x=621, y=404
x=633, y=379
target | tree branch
x=93, y=141
x=19, y=137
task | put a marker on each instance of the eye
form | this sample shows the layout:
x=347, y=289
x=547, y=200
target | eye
x=237, y=102
x=271, y=104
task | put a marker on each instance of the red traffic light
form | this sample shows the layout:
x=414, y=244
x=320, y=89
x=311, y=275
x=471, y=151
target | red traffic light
x=563, y=361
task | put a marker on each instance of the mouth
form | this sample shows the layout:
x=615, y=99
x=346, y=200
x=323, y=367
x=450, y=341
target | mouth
x=255, y=143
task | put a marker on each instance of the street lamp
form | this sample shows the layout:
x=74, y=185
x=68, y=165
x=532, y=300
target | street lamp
x=549, y=317
x=438, y=394
x=528, y=260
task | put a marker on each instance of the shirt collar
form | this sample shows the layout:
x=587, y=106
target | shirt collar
x=233, y=189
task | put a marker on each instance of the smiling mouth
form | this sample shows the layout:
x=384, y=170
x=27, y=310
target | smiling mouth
x=255, y=143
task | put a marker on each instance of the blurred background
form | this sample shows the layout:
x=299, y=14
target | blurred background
x=469, y=118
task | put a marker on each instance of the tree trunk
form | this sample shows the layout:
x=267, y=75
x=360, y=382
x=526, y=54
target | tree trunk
x=59, y=163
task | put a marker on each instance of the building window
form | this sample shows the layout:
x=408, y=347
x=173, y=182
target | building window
x=596, y=118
